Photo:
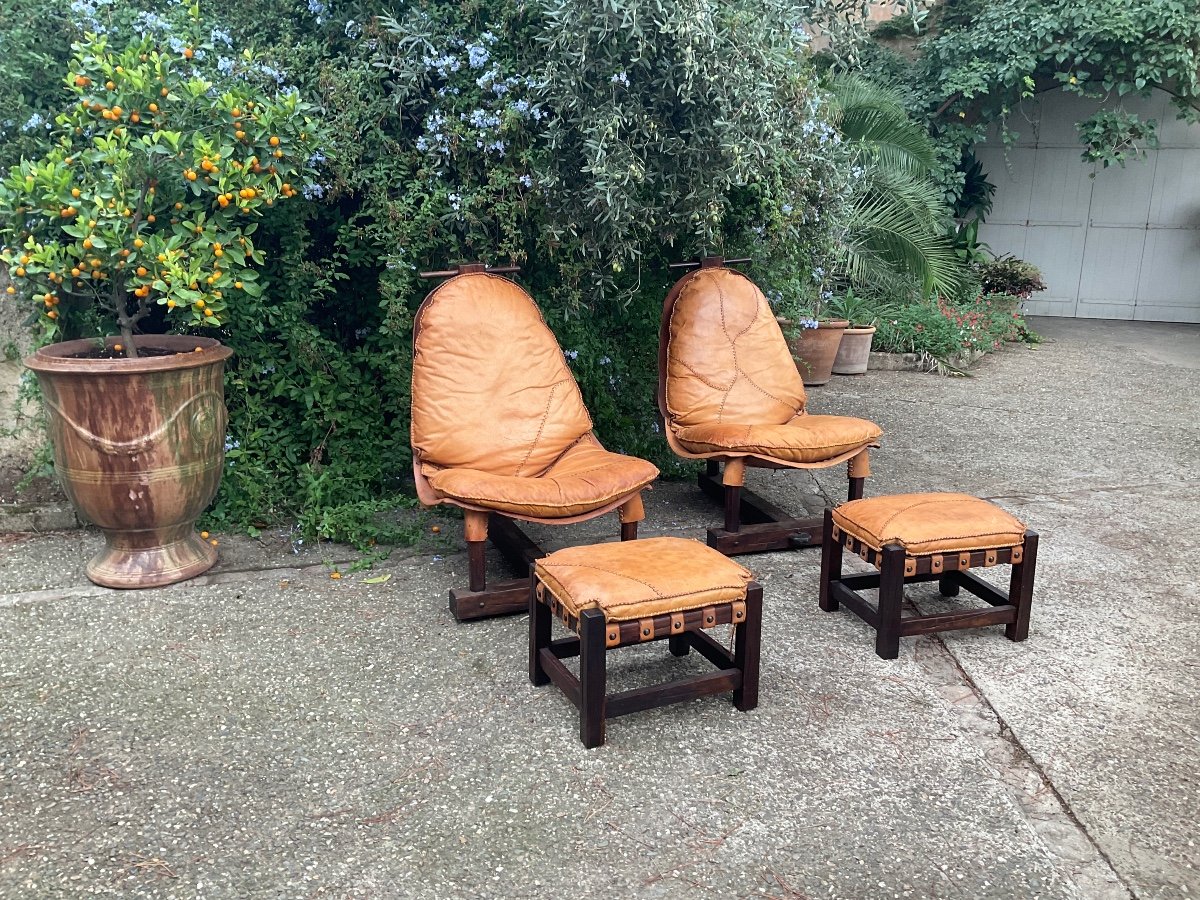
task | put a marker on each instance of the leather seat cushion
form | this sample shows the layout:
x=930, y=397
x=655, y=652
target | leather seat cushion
x=583, y=479
x=805, y=439
x=930, y=523
x=638, y=579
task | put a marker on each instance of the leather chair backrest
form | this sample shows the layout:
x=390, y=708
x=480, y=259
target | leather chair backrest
x=726, y=358
x=491, y=389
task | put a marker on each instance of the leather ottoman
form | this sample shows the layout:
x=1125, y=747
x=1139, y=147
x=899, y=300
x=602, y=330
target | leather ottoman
x=911, y=538
x=637, y=592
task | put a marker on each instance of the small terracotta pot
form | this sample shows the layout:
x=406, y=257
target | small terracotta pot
x=814, y=350
x=139, y=446
x=854, y=352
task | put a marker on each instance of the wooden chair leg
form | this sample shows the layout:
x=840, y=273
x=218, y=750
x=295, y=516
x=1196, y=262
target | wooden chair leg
x=592, y=677
x=631, y=512
x=733, y=508
x=475, y=528
x=679, y=645
x=856, y=489
x=891, y=594
x=1020, y=589
x=539, y=633
x=746, y=649
x=948, y=585
x=831, y=563
x=857, y=470
x=733, y=477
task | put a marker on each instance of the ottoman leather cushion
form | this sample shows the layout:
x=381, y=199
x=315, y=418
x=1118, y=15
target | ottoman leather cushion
x=929, y=523
x=638, y=579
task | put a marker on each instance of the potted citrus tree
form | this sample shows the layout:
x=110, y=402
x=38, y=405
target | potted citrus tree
x=140, y=217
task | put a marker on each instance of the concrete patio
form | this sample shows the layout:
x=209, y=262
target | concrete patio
x=266, y=731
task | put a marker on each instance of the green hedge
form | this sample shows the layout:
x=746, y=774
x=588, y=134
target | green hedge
x=590, y=143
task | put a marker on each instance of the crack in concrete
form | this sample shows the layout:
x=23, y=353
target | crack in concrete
x=829, y=501
x=1085, y=491
x=1080, y=859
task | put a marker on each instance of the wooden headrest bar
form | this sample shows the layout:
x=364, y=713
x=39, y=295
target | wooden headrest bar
x=467, y=269
x=710, y=262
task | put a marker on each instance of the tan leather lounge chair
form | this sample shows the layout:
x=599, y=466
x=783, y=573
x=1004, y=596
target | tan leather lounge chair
x=729, y=393
x=499, y=428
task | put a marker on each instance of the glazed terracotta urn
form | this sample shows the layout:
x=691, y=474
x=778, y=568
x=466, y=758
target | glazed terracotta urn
x=139, y=447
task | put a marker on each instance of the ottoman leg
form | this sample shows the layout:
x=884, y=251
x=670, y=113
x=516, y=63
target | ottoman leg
x=831, y=563
x=948, y=585
x=678, y=645
x=539, y=634
x=1020, y=589
x=592, y=678
x=891, y=594
x=746, y=649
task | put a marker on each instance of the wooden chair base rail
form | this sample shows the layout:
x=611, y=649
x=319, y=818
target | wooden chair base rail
x=786, y=534
x=896, y=569
x=482, y=600
x=760, y=525
x=500, y=598
x=503, y=598
x=736, y=671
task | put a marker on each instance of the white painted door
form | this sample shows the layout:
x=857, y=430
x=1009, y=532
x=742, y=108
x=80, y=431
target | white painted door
x=1124, y=244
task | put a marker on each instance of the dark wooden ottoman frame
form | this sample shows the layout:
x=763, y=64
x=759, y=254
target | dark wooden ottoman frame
x=949, y=570
x=736, y=671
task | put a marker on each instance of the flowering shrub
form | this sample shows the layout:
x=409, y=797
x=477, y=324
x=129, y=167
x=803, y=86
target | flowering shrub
x=946, y=333
x=150, y=193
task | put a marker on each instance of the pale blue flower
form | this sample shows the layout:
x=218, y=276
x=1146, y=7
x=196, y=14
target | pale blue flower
x=477, y=56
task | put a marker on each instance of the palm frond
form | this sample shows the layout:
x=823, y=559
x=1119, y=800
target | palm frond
x=892, y=230
x=896, y=228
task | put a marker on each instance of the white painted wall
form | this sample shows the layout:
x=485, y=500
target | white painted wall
x=1124, y=244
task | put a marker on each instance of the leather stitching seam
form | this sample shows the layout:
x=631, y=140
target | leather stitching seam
x=716, y=442
x=932, y=500
x=510, y=502
x=541, y=427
